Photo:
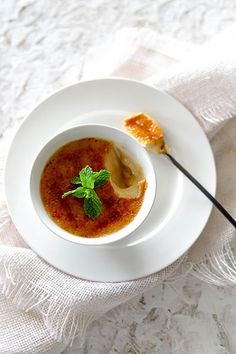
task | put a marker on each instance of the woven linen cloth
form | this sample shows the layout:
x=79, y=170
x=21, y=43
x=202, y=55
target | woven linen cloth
x=43, y=309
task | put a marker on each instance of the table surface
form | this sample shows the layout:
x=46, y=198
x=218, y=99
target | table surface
x=43, y=45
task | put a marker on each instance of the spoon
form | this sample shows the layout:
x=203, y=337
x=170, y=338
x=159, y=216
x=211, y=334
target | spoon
x=149, y=133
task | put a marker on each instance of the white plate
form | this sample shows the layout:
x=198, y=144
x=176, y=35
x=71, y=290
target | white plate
x=180, y=211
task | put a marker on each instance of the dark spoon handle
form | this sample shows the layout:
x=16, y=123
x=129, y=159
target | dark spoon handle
x=202, y=189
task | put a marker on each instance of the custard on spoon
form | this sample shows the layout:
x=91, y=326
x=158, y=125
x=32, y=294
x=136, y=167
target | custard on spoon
x=149, y=133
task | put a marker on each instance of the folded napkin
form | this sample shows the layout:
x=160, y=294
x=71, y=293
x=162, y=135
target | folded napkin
x=43, y=309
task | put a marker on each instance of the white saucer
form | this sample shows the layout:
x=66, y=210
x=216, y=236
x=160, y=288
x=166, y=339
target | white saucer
x=180, y=211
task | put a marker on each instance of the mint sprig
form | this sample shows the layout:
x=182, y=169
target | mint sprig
x=87, y=181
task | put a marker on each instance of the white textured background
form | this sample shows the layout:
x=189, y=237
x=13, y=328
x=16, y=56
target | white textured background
x=43, y=45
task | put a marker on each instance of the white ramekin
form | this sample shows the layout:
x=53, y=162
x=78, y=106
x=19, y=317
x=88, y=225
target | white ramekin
x=121, y=139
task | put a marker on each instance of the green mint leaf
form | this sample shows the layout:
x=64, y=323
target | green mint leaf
x=64, y=195
x=86, y=176
x=92, y=205
x=76, y=180
x=101, y=177
x=80, y=192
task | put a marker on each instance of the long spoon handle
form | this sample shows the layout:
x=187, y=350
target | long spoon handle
x=202, y=189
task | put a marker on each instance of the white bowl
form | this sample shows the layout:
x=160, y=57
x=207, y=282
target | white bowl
x=121, y=139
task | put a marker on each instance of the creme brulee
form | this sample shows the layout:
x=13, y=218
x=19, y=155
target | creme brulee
x=121, y=196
